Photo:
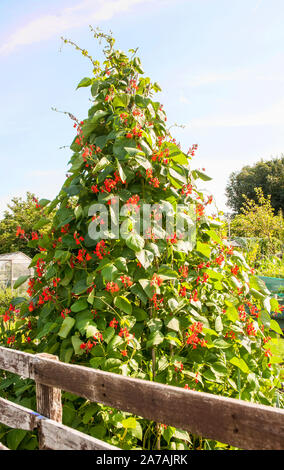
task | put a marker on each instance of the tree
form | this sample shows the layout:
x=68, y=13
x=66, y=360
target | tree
x=267, y=175
x=19, y=224
x=258, y=220
x=162, y=307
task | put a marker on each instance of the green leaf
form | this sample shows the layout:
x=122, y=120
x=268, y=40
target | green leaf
x=21, y=280
x=134, y=241
x=95, y=88
x=154, y=324
x=173, y=304
x=219, y=368
x=203, y=248
x=274, y=304
x=177, y=176
x=265, y=318
x=91, y=329
x=218, y=324
x=44, y=202
x=138, y=431
x=66, y=326
x=145, y=257
x=48, y=327
x=155, y=338
x=84, y=82
x=240, y=363
x=123, y=304
x=129, y=423
x=120, y=171
x=275, y=327
x=79, y=305
x=101, y=165
x=76, y=343
x=173, y=323
x=109, y=272
x=182, y=435
x=15, y=437
x=80, y=287
x=167, y=273
x=41, y=223
x=201, y=175
x=221, y=344
x=121, y=100
x=214, y=236
x=109, y=334
x=139, y=314
x=232, y=314
x=146, y=284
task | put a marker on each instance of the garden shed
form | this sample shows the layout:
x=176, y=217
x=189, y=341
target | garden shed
x=12, y=266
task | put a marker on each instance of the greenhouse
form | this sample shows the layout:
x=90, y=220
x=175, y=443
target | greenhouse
x=12, y=266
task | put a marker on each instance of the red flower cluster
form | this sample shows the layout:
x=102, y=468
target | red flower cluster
x=77, y=239
x=83, y=256
x=183, y=271
x=40, y=267
x=219, y=260
x=7, y=316
x=123, y=118
x=98, y=337
x=182, y=291
x=110, y=184
x=156, y=280
x=113, y=323
x=187, y=189
x=194, y=297
x=100, y=249
x=161, y=156
x=203, y=280
x=30, y=290
x=65, y=312
x=242, y=312
x=135, y=132
x=45, y=296
x=179, y=367
x=112, y=287
x=156, y=301
x=191, y=151
x=20, y=232
x=230, y=334
x=235, y=270
x=133, y=200
x=173, y=239
x=192, y=336
x=152, y=180
x=126, y=281
x=251, y=331
x=200, y=210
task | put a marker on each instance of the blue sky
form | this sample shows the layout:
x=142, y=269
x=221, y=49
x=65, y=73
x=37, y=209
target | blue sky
x=219, y=62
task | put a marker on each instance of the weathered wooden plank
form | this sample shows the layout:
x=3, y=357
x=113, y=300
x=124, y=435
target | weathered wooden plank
x=239, y=423
x=2, y=447
x=48, y=401
x=56, y=436
x=15, y=361
x=16, y=416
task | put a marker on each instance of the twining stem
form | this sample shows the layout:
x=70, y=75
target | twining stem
x=153, y=353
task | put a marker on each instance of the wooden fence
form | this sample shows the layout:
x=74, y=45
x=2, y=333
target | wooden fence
x=236, y=422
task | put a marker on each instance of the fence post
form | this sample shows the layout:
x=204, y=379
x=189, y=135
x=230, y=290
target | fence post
x=48, y=401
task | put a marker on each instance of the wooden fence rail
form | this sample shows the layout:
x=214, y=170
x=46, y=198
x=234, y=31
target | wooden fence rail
x=236, y=422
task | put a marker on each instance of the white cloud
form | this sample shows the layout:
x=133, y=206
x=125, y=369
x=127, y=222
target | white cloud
x=249, y=75
x=50, y=25
x=271, y=116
